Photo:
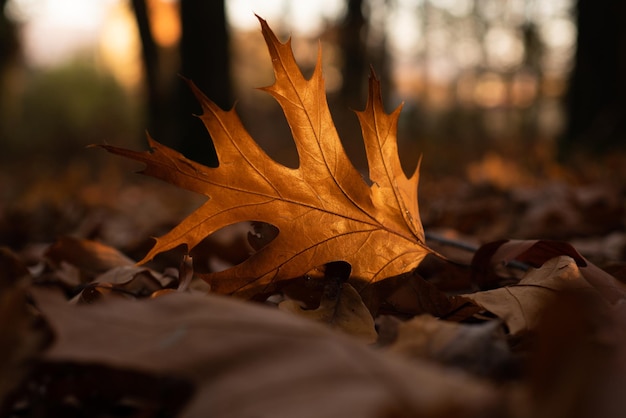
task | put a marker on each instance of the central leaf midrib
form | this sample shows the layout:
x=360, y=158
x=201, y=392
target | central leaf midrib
x=315, y=132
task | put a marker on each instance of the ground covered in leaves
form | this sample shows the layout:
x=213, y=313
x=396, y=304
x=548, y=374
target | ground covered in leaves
x=506, y=327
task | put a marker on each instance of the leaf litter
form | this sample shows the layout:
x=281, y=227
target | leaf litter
x=527, y=329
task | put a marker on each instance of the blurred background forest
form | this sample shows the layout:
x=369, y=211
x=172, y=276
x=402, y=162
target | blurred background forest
x=483, y=82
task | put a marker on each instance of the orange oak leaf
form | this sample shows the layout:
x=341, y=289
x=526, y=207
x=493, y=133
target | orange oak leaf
x=324, y=210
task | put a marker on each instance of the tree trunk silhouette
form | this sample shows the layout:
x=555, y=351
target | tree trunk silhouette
x=358, y=54
x=150, y=58
x=9, y=44
x=596, y=101
x=355, y=65
x=205, y=55
x=9, y=52
x=204, y=58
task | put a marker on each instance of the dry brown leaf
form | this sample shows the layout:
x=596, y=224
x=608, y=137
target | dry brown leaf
x=90, y=257
x=247, y=360
x=324, y=210
x=521, y=306
x=479, y=348
x=535, y=253
x=342, y=308
x=21, y=336
x=128, y=281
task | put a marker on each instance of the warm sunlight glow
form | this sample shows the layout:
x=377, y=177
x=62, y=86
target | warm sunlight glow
x=120, y=45
x=54, y=30
x=504, y=48
x=441, y=52
x=490, y=91
x=302, y=17
x=165, y=21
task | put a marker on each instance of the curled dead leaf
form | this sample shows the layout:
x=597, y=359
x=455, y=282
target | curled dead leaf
x=521, y=306
x=535, y=253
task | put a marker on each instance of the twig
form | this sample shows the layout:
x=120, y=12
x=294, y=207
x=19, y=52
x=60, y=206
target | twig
x=451, y=243
x=471, y=248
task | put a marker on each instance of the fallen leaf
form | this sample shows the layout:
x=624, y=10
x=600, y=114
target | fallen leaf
x=90, y=257
x=479, y=348
x=324, y=210
x=535, y=253
x=342, y=308
x=23, y=337
x=522, y=305
x=245, y=360
x=129, y=281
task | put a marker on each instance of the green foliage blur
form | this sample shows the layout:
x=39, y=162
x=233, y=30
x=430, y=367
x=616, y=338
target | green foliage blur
x=60, y=111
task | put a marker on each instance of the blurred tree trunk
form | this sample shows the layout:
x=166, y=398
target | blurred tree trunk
x=359, y=54
x=149, y=54
x=205, y=60
x=596, y=101
x=353, y=34
x=361, y=49
x=9, y=44
x=9, y=51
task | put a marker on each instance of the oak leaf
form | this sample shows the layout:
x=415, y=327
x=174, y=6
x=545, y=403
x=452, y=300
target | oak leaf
x=324, y=210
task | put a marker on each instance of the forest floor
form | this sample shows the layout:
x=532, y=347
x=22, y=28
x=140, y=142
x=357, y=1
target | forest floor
x=74, y=234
